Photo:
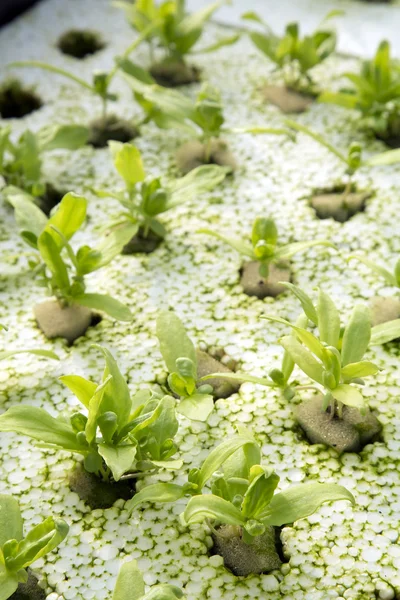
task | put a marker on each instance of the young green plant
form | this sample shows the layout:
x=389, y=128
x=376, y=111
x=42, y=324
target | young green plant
x=353, y=160
x=294, y=56
x=242, y=504
x=179, y=354
x=19, y=551
x=130, y=586
x=375, y=94
x=61, y=269
x=174, y=31
x=117, y=434
x=21, y=161
x=145, y=198
x=201, y=119
x=263, y=250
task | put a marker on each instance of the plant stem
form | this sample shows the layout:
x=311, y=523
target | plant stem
x=207, y=150
x=347, y=189
x=103, y=108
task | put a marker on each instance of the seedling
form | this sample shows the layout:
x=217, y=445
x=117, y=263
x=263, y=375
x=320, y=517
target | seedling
x=18, y=552
x=265, y=252
x=334, y=358
x=120, y=436
x=61, y=269
x=176, y=32
x=295, y=56
x=130, y=586
x=242, y=505
x=353, y=160
x=386, y=311
x=100, y=88
x=143, y=199
x=21, y=162
x=179, y=354
x=202, y=119
x=375, y=95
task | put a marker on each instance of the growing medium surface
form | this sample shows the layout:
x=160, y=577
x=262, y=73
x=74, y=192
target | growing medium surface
x=339, y=552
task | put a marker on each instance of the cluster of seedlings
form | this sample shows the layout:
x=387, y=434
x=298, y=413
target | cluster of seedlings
x=122, y=438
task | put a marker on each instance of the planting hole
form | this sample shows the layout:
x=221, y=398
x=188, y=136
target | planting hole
x=111, y=128
x=17, y=101
x=80, y=43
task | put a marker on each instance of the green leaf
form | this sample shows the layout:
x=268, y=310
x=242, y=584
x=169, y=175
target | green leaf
x=128, y=162
x=387, y=275
x=222, y=452
x=301, y=501
x=228, y=40
x=200, y=508
x=305, y=301
x=41, y=540
x=36, y=423
x=69, y=137
x=68, y=218
x=390, y=157
x=236, y=244
x=196, y=407
x=239, y=376
x=8, y=582
x=328, y=320
x=385, y=332
x=119, y=459
x=196, y=20
x=199, y=180
x=259, y=492
x=11, y=524
x=303, y=358
x=81, y=387
x=264, y=230
x=356, y=336
x=43, y=353
x=28, y=216
x=346, y=100
x=359, y=369
x=53, y=69
x=317, y=137
x=157, y=492
x=114, y=308
x=95, y=410
x=306, y=337
x=348, y=395
x=173, y=339
x=130, y=584
x=289, y=250
x=112, y=245
x=50, y=253
x=117, y=398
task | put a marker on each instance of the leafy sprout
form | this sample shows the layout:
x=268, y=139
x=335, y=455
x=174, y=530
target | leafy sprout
x=353, y=160
x=179, y=354
x=18, y=552
x=60, y=268
x=21, y=161
x=243, y=495
x=390, y=330
x=264, y=247
x=145, y=198
x=202, y=118
x=173, y=30
x=116, y=434
x=375, y=94
x=293, y=55
x=130, y=586
x=101, y=80
x=333, y=359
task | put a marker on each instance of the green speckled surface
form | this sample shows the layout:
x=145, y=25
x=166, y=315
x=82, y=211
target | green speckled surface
x=339, y=552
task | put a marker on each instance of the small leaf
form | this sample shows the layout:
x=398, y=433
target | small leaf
x=173, y=339
x=385, y=332
x=50, y=253
x=43, y=353
x=28, y=216
x=11, y=524
x=130, y=584
x=356, y=336
x=128, y=162
x=387, y=275
x=200, y=508
x=68, y=218
x=259, y=494
x=264, y=230
x=348, y=395
x=305, y=302
x=359, y=369
x=69, y=137
x=119, y=459
x=328, y=320
x=236, y=244
x=157, y=492
x=301, y=501
x=199, y=180
x=197, y=407
x=303, y=358
x=114, y=308
x=81, y=387
x=289, y=250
